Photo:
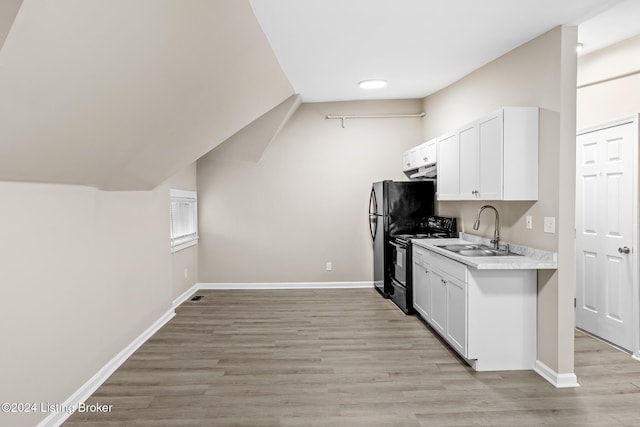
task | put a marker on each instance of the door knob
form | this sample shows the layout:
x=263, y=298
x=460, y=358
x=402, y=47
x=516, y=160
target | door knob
x=624, y=250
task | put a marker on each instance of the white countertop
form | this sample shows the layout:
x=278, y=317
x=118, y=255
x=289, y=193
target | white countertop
x=530, y=259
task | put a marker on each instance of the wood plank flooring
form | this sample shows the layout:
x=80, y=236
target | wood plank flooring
x=341, y=358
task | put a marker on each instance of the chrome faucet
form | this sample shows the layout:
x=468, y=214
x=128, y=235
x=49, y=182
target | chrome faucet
x=496, y=231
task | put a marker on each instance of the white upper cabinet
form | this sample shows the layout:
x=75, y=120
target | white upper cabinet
x=494, y=158
x=448, y=167
x=408, y=159
x=468, y=140
x=419, y=156
x=490, y=157
x=426, y=153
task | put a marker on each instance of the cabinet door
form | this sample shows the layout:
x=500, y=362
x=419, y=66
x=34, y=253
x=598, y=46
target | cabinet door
x=426, y=153
x=448, y=167
x=468, y=162
x=421, y=156
x=431, y=151
x=456, y=324
x=520, y=151
x=421, y=290
x=438, y=288
x=406, y=161
x=490, y=171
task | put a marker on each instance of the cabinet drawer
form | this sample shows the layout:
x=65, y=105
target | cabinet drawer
x=448, y=266
x=420, y=256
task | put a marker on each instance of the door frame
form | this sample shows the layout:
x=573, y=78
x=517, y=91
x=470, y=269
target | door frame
x=635, y=265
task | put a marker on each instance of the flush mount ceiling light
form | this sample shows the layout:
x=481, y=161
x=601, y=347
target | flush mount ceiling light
x=372, y=84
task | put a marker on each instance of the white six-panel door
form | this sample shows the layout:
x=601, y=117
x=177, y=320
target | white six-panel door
x=604, y=233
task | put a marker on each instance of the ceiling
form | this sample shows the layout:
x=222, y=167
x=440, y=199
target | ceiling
x=617, y=23
x=419, y=46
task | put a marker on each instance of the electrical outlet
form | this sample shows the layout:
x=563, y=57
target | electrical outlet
x=329, y=266
x=186, y=273
x=549, y=224
x=529, y=222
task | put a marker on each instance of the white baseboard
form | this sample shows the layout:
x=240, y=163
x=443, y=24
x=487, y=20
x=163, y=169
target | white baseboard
x=254, y=286
x=558, y=380
x=85, y=391
x=286, y=285
x=185, y=296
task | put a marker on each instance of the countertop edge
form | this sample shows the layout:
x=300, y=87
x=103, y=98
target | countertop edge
x=520, y=262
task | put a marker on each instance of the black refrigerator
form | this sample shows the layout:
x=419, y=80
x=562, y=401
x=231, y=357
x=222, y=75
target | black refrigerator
x=396, y=207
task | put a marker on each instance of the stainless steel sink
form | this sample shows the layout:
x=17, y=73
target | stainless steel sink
x=458, y=248
x=475, y=250
x=481, y=252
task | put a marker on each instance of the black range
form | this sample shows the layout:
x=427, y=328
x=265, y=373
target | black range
x=400, y=263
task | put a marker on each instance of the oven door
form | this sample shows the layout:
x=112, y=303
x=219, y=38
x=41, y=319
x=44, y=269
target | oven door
x=399, y=261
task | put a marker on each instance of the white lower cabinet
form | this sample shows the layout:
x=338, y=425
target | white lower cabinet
x=438, y=297
x=421, y=285
x=456, y=304
x=487, y=316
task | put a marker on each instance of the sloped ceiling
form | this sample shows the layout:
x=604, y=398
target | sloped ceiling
x=8, y=11
x=121, y=94
x=250, y=143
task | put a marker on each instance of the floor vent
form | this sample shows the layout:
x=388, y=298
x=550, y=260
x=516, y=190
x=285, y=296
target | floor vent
x=196, y=298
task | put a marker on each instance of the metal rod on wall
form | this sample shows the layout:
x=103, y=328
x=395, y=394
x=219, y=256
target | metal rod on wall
x=374, y=116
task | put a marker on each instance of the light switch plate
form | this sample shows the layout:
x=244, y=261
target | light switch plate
x=549, y=224
x=529, y=222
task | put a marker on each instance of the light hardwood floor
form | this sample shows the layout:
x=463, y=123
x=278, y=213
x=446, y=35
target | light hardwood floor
x=342, y=358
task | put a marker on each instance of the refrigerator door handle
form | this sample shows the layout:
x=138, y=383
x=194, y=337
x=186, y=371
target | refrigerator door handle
x=373, y=226
x=373, y=203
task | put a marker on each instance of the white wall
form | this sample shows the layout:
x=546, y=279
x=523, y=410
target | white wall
x=280, y=216
x=539, y=73
x=84, y=272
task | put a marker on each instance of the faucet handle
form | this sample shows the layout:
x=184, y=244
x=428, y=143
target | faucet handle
x=504, y=247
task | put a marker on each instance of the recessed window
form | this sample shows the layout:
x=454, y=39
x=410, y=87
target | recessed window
x=184, y=219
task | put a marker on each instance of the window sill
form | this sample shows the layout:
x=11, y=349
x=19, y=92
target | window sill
x=184, y=245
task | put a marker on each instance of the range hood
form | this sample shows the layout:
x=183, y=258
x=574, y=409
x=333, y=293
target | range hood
x=424, y=172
